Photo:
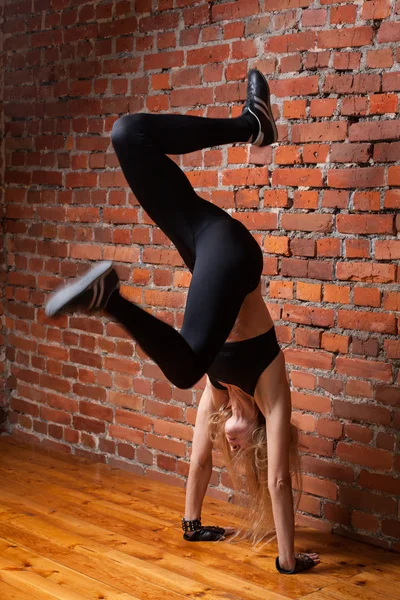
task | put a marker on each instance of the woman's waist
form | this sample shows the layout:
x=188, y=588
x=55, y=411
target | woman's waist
x=252, y=321
x=255, y=342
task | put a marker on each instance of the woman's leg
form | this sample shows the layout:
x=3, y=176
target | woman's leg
x=225, y=260
x=228, y=266
x=181, y=134
x=141, y=143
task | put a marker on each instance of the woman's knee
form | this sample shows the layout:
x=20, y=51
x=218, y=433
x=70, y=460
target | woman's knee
x=129, y=129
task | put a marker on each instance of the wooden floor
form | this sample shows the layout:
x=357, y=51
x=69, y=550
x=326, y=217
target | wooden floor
x=70, y=529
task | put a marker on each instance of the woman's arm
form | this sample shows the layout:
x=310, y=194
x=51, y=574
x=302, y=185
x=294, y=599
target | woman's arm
x=201, y=459
x=279, y=481
x=274, y=400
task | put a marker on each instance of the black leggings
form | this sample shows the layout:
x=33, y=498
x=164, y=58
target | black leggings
x=224, y=258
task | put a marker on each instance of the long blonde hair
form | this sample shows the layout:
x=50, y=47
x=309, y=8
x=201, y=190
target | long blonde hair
x=248, y=470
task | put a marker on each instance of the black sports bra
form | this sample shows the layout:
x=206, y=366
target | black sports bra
x=241, y=363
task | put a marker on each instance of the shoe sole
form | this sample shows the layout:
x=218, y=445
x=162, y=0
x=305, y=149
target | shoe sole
x=269, y=109
x=66, y=294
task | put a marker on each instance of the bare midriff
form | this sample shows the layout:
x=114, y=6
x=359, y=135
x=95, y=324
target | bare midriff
x=253, y=318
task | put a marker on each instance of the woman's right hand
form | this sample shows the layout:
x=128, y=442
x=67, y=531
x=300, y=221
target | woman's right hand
x=304, y=562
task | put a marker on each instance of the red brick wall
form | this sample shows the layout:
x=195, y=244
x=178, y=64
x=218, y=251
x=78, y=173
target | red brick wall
x=3, y=391
x=323, y=204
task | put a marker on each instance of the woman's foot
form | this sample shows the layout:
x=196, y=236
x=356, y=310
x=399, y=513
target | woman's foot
x=303, y=562
x=89, y=291
x=258, y=104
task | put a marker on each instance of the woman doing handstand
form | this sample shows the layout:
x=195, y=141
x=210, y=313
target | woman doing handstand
x=227, y=331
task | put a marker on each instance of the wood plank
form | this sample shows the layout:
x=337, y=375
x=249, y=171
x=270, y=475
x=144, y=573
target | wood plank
x=211, y=577
x=133, y=518
x=37, y=585
x=345, y=591
x=120, y=502
x=9, y=592
x=81, y=482
x=251, y=571
x=344, y=552
x=59, y=574
x=119, y=498
x=259, y=566
x=373, y=580
x=89, y=528
x=145, y=580
x=341, y=543
x=99, y=568
x=341, y=571
x=365, y=589
x=125, y=486
x=89, y=550
x=122, y=479
x=4, y=513
x=390, y=571
x=368, y=585
x=315, y=596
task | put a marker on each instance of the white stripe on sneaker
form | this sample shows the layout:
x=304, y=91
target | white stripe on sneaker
x=261, y=109
x=260, y=137
x=94, y=288
x=69, y=292
x=260, y=104
x=261, y=101
x=101, y=292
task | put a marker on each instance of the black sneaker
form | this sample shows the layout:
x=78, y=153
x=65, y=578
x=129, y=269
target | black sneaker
x=258, y=104
x=89, y=291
